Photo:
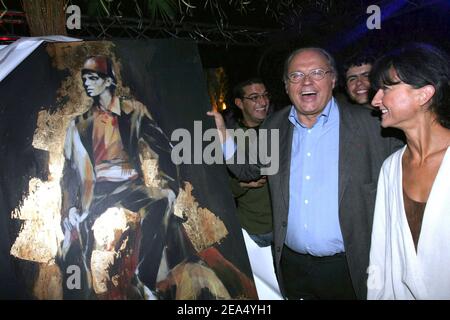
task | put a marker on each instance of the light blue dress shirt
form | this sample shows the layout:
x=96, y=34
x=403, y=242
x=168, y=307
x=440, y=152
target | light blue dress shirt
x=313, y=221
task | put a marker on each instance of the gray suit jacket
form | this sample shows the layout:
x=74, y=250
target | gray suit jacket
x=362, y=150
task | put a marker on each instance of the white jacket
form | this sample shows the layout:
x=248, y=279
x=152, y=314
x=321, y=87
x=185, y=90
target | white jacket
x=395, y=270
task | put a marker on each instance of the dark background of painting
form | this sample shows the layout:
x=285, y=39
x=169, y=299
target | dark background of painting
x=31, y=85
x=166, y=76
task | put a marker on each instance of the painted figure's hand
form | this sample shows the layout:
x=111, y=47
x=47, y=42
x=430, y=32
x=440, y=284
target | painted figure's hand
x=71, y=225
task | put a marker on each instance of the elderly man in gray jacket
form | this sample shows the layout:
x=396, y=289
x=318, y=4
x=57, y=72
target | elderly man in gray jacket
x=323, y=194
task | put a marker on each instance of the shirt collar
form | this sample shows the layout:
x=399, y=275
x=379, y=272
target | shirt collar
x=113, y=107
x=323, y=118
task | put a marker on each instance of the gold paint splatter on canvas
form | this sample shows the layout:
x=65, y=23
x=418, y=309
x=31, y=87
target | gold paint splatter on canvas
x=109, y=231
x=150, y=166
x=48, y=283
x=190, y=279
x=203, y=228
x=100, y=262
x=41, y=232
x=51, y=131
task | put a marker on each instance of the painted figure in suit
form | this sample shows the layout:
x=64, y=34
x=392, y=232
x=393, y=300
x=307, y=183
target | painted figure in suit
x=324, y=192
x=104, y=211
x=119, y=193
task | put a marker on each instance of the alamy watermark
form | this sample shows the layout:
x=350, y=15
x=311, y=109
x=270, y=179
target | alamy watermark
x=74, y=277
x=374, y=20
x=74, y=19
x=258, y=144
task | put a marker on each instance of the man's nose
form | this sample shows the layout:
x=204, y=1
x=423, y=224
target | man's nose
x=307, y=79
x=263, y=99
x=362, y=79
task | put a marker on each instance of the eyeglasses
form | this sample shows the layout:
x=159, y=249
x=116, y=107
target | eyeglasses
x=255, y=97
x=361, y=77
x=316, y=74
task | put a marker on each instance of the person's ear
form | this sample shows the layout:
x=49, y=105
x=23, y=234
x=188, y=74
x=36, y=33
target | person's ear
x=108, y=81
x=333, y=80
x=426, y=94
x=238, y=102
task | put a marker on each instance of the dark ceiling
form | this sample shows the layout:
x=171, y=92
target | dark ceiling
x=255, y=39
x=267, y=21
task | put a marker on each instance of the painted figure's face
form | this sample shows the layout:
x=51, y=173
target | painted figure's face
x=94, y=84
x=358, y=84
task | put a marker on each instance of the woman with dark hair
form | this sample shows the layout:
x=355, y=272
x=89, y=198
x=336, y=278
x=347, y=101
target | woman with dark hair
x=410, y=249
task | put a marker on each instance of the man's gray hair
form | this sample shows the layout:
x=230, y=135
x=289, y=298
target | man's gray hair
x=323, y=52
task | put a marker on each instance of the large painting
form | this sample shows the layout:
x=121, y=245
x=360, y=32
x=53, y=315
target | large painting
x=93, y=205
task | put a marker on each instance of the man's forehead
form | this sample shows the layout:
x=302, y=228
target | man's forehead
x=310, y=56
x=254, y=87
x=88, y=73
x=357, y=69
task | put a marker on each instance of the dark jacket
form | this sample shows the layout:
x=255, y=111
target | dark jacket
x=362, y=150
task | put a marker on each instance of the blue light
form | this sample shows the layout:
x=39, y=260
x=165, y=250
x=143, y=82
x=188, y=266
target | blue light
x=349, y=37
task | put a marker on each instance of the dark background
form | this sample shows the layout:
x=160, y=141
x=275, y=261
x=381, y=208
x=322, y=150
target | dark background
x=272, y=30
